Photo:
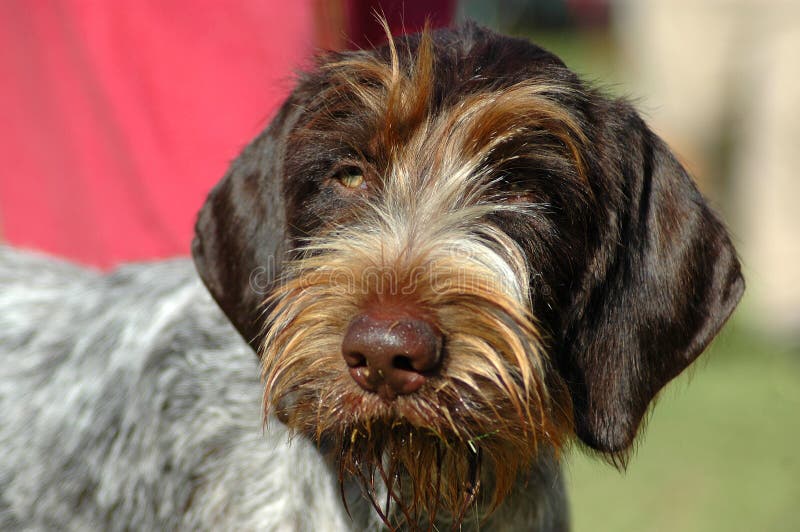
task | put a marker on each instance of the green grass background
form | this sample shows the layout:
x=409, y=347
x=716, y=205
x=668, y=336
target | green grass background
x=720, y=452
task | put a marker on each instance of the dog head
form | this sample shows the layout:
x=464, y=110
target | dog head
x=450, y=251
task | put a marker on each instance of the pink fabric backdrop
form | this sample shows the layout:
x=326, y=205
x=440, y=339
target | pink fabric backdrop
x=119, y=116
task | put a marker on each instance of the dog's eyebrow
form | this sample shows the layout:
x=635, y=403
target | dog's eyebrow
x=408, y=131
x=484, y=121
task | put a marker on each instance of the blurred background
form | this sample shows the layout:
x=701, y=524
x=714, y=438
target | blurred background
x=118, y=117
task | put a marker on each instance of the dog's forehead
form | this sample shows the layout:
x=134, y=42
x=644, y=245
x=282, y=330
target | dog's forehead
x=428, y=102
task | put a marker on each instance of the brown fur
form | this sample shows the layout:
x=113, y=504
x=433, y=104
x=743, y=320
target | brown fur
x=565, y=257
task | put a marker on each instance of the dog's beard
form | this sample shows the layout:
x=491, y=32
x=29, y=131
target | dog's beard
x=465, y=435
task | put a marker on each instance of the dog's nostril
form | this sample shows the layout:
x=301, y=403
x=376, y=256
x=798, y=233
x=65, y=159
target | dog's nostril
x=354, y=359
x=402, y=362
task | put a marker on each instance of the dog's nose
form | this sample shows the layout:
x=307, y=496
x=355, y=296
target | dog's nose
x=391, y=355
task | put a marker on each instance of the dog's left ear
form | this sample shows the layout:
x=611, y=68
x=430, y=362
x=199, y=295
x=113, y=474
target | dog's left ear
x=661, y=283
x=240, y=232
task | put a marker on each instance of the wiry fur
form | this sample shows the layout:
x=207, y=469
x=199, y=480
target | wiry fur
x=564, y=259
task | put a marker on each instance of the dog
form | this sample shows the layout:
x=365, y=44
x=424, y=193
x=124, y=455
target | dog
x=453, y=259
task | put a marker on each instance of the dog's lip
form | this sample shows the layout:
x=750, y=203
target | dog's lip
x=388, y=387
x=371, y=409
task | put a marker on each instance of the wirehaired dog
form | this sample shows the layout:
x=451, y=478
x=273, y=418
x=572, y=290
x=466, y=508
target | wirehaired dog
x=452, y=258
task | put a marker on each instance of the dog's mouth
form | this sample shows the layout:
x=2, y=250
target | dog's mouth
x=412, y=469
x=422, y=458
x=412, y=476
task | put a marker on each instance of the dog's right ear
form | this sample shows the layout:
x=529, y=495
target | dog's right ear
x=240, y=234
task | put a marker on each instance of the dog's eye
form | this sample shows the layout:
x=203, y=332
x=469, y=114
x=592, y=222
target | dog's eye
x=351, y=177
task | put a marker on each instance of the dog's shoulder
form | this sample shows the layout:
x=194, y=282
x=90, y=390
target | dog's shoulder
x=127, y=397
